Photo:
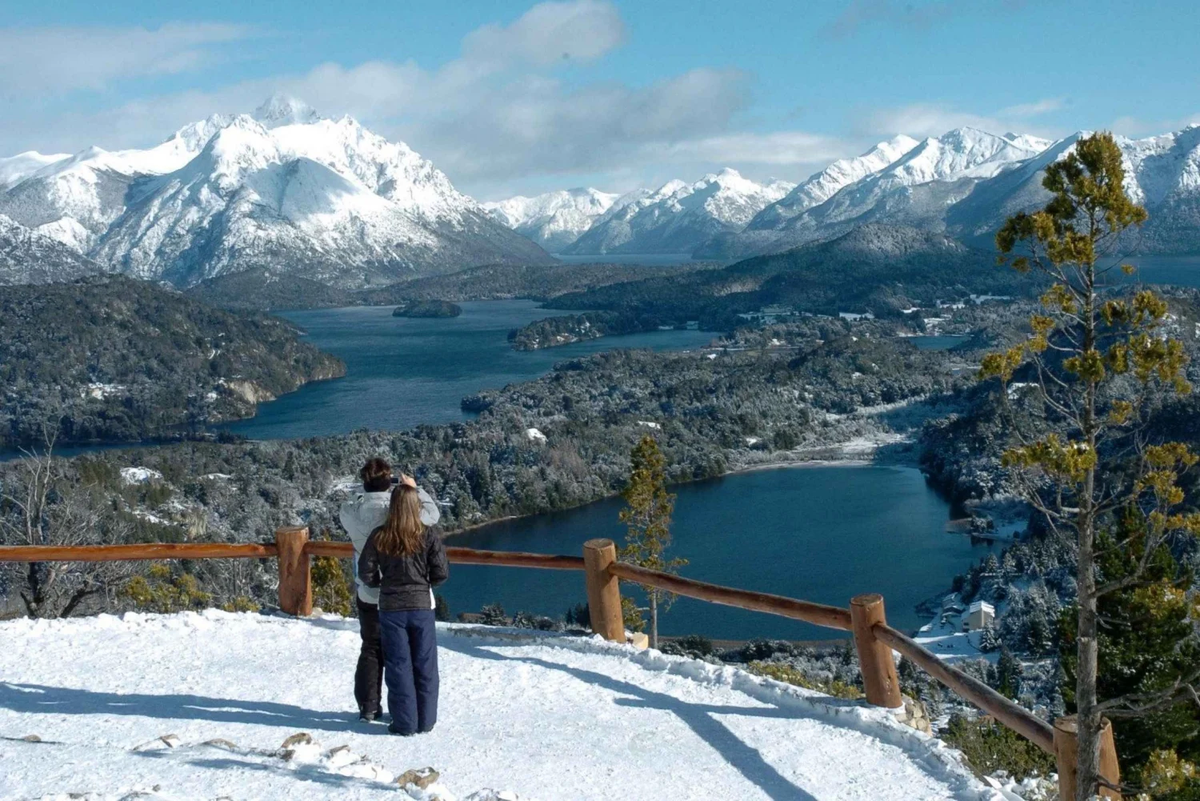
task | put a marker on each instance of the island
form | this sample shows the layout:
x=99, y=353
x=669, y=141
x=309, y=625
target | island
x=428, y=308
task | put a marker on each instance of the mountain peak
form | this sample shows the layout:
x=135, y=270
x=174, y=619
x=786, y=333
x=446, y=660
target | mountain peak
x=282, y=109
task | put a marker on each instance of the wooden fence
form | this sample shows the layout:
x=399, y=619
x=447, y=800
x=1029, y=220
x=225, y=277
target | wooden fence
x=865, y=619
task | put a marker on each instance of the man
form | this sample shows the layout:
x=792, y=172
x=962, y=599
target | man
x=359, y=516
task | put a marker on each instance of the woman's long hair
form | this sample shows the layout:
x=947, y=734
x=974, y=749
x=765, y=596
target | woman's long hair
x=402, y=533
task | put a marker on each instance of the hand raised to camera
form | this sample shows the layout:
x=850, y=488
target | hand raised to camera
x=408, y=481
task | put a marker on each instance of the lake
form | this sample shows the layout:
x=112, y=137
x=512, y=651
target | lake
x=1177, y=270
x=403, y=372
x=819, y=533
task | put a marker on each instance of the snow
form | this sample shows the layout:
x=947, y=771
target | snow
x=139, y=475
x=199, y=705
x=678, y=216
x=15, y=169
x=284, y=188
x=534, y=435
x=825, y=184
x=553, y=219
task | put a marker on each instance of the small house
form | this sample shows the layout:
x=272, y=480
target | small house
x=979, y=616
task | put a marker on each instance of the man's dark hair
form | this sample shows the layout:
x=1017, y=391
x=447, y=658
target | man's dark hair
x=376, y=475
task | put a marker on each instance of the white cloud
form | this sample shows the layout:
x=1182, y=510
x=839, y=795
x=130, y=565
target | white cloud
x=496, y=119
x=934, y=119
x=548, y=33
x=1035, y=109
x=779, y=149
x=52, y=60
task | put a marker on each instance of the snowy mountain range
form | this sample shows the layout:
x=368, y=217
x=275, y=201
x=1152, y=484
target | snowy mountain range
x=556, y=219
x=283, y=189
x=964, y=183
x=678, y=215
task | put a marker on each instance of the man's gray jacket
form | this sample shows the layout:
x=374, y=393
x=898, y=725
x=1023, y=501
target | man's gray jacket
x=364, y=513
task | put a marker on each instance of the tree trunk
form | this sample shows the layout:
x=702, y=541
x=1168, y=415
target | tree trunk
x=653, y=619
x=1085, y=681
x=1086, y=700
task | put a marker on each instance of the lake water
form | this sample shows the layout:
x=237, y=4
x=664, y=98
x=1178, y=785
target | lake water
x=403, y=372
x=823, y=533
x=819, y=533
x=1177, y=270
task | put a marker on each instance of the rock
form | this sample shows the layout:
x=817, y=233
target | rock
x=915, y=715
x=422, y=777
x=299, y=738
x=31, y=738
x=221, y=743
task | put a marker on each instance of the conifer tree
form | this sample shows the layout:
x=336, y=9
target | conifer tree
x=1099, y=361
x=647, y=518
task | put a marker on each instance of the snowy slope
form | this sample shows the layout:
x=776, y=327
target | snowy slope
x=825, y=184
x=1162, y=173
x=327, y=199
x=678, y=217
x=15, y=169
x=917, y=188
x=540, y=717
x=555, y=219
x=30, y=256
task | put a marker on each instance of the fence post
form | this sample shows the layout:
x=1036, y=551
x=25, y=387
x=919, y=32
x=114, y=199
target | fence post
x=603, y=590
x=874, y=658
x=1066, y=755
x=295, y=571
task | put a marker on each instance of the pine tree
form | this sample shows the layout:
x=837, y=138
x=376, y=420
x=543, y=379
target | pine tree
x=1008, y=674
x=1096, y=360
x=647, y=517
x=1145, y=648
x=989, y=641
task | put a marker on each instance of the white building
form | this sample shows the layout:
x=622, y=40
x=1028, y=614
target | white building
x=979, y=616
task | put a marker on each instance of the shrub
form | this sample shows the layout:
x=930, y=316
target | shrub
x=990, y=747
x=790, y=675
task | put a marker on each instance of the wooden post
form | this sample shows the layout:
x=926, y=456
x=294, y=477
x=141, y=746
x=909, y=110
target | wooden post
x=603, y=590
x=1066, y=753
x=295, y=571
x=874, y=658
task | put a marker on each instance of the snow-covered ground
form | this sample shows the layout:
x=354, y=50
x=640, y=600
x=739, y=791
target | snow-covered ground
x=534, y=716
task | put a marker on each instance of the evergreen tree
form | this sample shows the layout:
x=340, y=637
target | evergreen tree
x=1008, y=674
x=1145, y=648
x=989, y=641
x=647, y=517
x=1096, y=361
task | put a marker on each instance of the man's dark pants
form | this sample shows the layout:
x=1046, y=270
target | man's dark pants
x=368, y=677
x=410, y=654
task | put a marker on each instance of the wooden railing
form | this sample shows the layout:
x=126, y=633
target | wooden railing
x=865, y=618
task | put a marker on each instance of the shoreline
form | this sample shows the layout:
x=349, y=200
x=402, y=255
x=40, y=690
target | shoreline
x=778, y=465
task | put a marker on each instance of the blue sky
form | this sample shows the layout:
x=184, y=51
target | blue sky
x=514, y=97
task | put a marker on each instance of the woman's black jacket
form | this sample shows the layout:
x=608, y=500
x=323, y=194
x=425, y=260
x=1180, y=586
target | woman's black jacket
x=405, y=582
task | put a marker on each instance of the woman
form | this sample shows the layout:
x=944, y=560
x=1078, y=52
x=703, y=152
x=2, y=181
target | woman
x=360, y=515
x=406, y=560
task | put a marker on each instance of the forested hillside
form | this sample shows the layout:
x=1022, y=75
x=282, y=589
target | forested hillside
x=875, y=268
x=115, y=359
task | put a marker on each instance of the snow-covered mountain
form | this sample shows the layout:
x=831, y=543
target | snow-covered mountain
x=913, y=189
x=678, y=216
x=31, y=257
x=825, y=184
x=1161, y=172
x=283, y=189
x=555, y=219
